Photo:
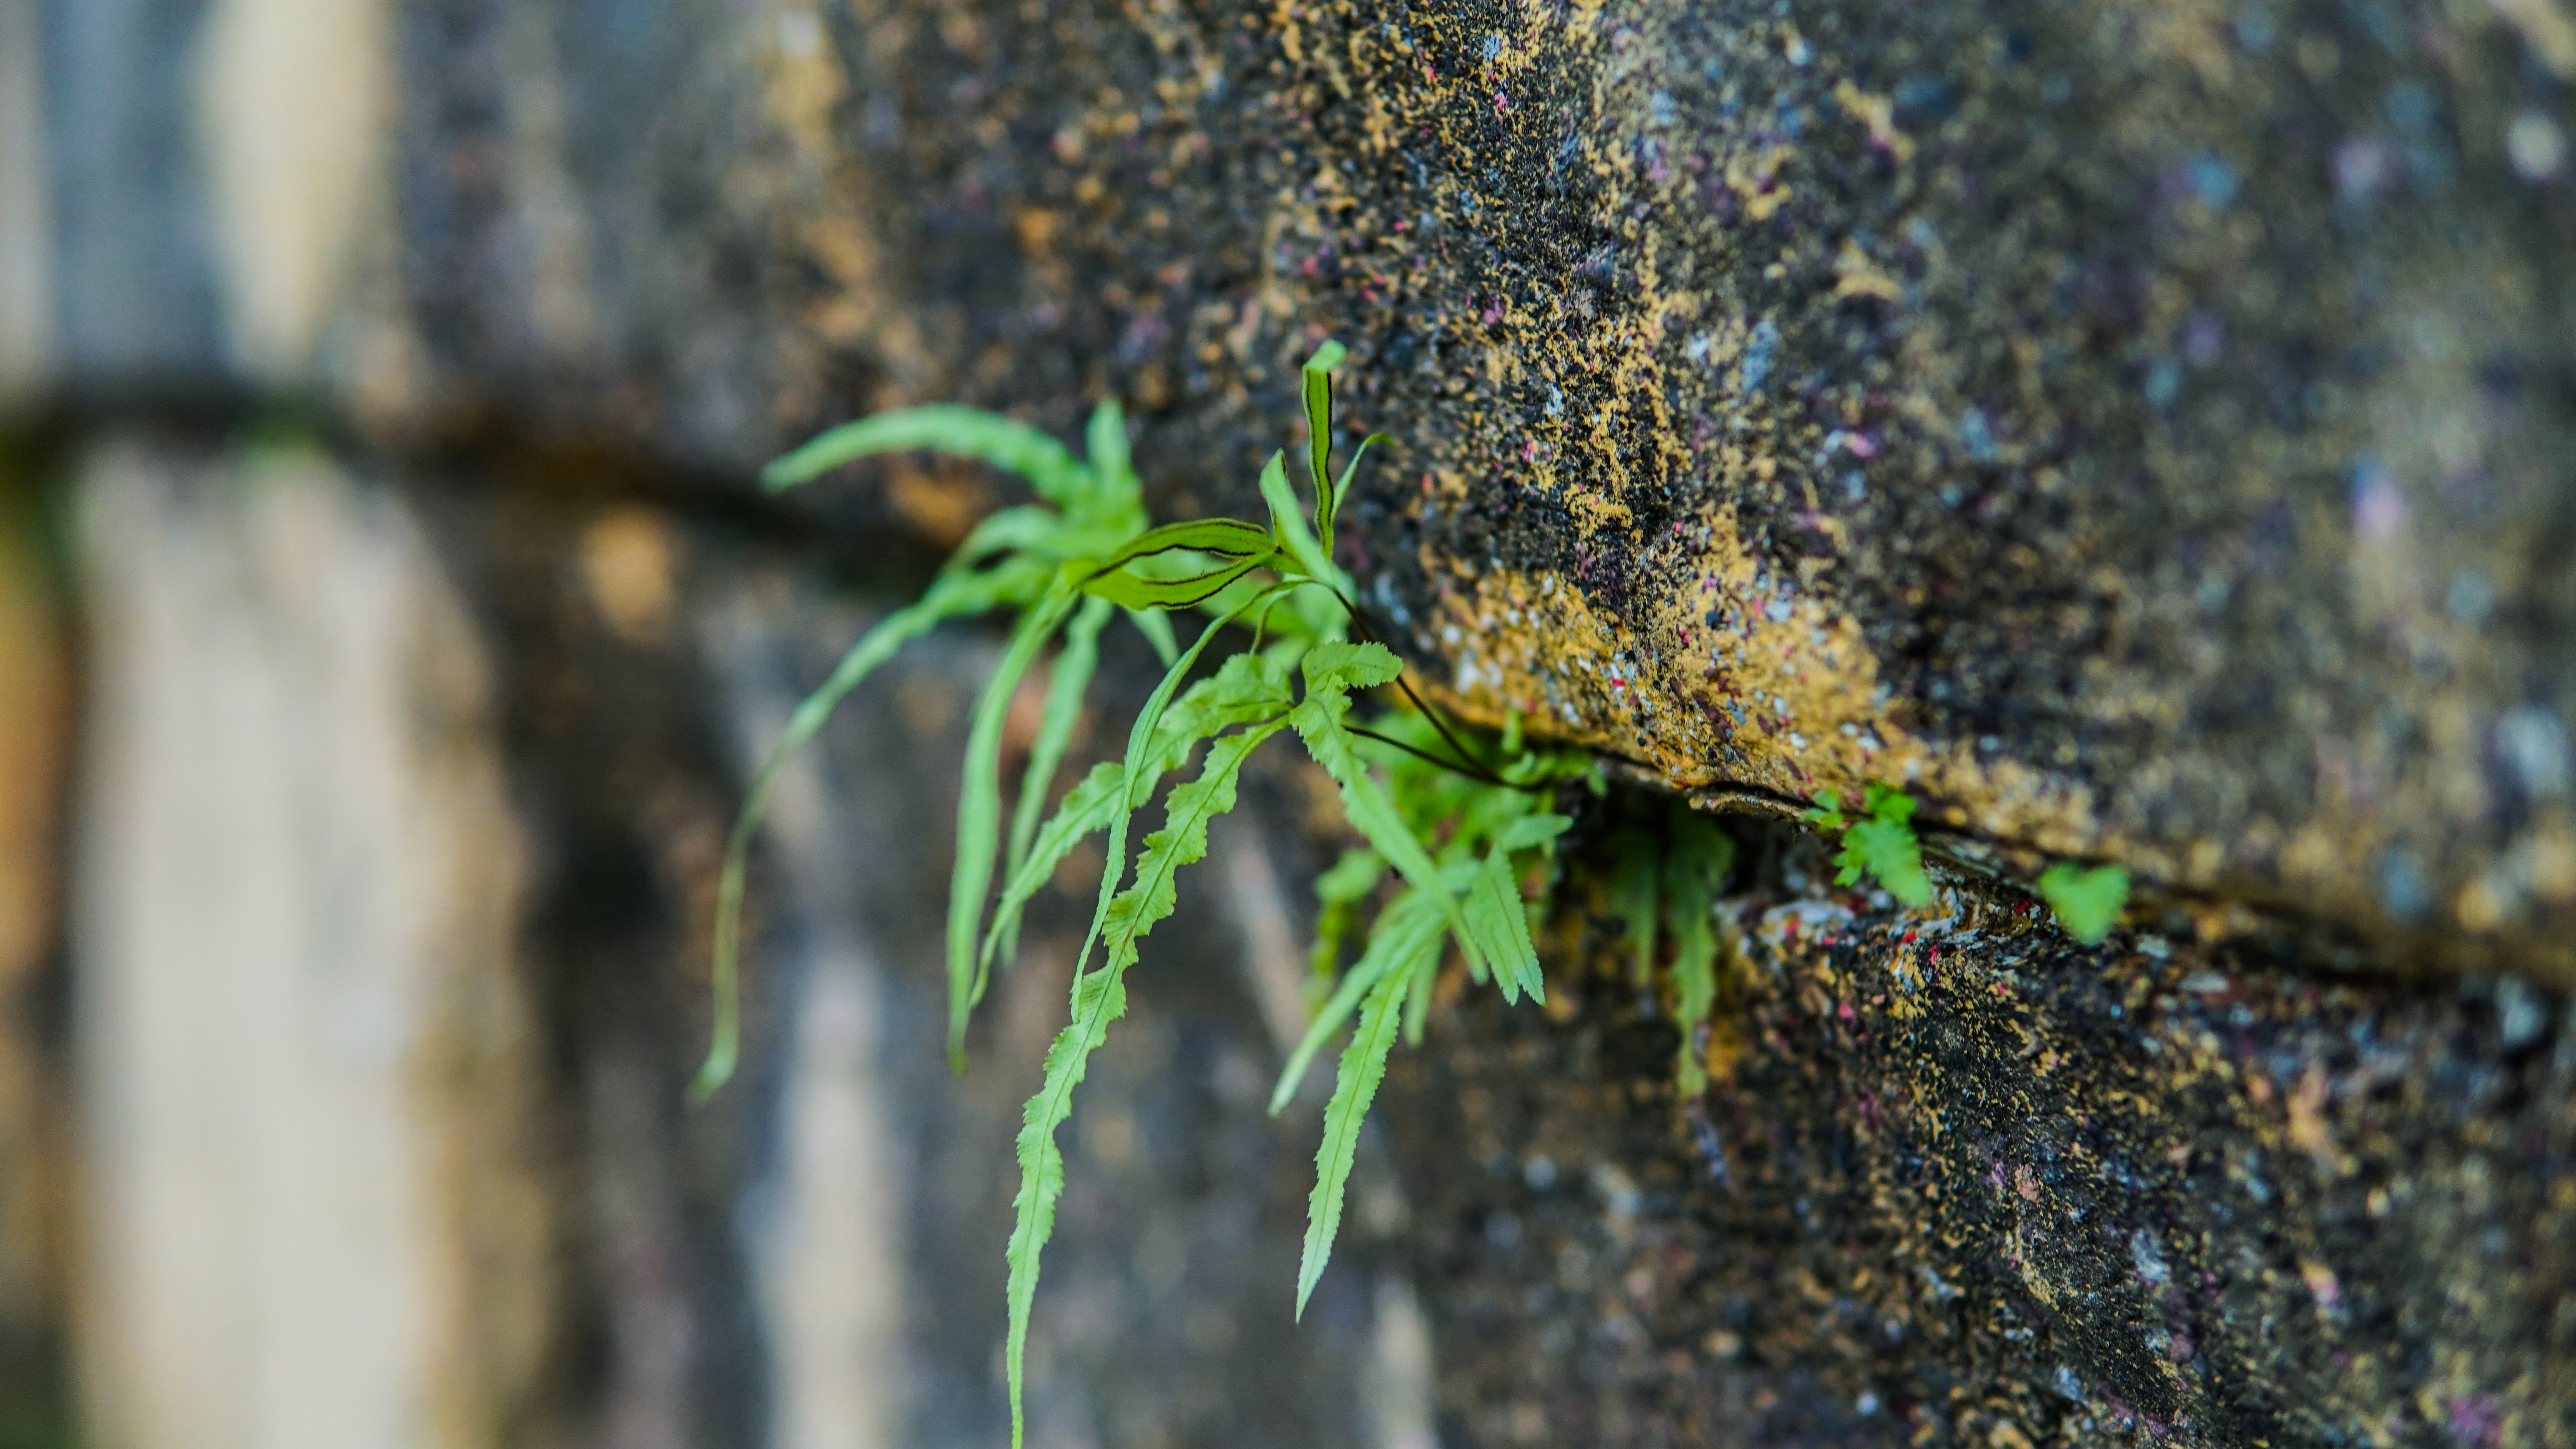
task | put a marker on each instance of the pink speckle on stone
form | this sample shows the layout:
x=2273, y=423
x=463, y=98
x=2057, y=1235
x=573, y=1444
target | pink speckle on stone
x=2476, y=1419
x=2322, y=1283
x=2378, y=505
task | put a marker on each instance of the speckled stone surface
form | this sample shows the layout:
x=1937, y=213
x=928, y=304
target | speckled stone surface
x=2148, y=429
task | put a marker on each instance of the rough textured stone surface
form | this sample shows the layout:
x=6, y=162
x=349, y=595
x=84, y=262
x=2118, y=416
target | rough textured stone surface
x=2147, y=430
x=1963, y=1182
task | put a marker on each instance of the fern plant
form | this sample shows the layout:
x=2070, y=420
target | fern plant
x=1457, y=834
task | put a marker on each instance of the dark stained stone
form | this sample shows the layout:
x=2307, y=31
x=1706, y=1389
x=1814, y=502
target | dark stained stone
x=2147, y=432
x=1961, y=1181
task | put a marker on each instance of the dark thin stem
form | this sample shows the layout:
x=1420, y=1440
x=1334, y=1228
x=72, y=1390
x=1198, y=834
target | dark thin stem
x=1433, y=715
x=1481, y=777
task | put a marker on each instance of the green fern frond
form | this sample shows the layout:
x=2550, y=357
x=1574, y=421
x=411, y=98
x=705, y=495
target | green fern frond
x=1354, y=1088
x=1879, y=844
x=979, y=809
x=1100, y=997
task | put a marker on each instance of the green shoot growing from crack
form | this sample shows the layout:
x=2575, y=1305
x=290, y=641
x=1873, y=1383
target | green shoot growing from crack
x=1880, y=844
x=1667, y=881
x=1457, y=833
x=2087, y=902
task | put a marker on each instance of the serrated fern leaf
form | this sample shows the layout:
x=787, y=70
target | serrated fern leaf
x=1501, y=923
x=955, y=592
x=1332, y=671
x=1694, y=869
x=1354, y=1087
x=979, y=810
x=1085, y=809
x=1100, y=997
x=1048, y=465
x=1410, y=925
x=1207, y=707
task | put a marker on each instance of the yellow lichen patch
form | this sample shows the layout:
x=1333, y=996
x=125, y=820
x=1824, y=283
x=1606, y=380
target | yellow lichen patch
x=1855, y=275
x=1878, y=113
x=1737, y=677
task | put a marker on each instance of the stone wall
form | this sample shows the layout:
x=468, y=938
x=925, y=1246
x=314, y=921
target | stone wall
x=2146, y=431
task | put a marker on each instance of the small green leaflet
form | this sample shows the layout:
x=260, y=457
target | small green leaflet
x=2087, y=902
x=1500, y=925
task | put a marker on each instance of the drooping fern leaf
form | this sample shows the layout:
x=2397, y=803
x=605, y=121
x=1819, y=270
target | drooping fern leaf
x=1354, y=1087
x=956, y=592
x=1006, y=443
x=1100, y=997
x=1695, y=867
x=979, y=809
x=1011, y=559
x=1332, y=672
